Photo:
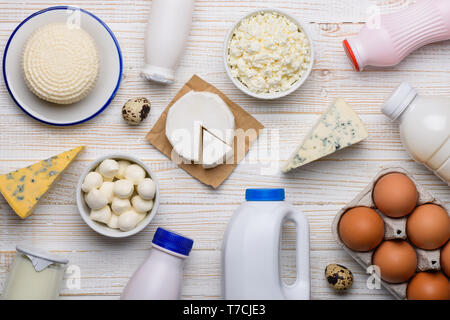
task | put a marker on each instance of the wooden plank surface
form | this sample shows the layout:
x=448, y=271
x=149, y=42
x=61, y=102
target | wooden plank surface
x=187, y=206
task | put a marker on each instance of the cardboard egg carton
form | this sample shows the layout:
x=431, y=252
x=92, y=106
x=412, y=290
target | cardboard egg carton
x=428, y=260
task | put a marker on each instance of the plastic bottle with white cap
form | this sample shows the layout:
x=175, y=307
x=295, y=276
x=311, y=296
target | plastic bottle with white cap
x=251, y=249
x=424, y=127
x=165, y=38
x=161, y=275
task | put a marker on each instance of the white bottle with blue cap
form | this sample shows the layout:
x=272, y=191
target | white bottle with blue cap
x=161, y=275
x=251, y=249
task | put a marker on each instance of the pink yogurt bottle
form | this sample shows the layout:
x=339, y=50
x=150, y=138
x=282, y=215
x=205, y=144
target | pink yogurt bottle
x=389, y=40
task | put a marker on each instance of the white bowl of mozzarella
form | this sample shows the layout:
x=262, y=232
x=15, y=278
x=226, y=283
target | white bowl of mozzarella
x=117, y=195
x=268, y=54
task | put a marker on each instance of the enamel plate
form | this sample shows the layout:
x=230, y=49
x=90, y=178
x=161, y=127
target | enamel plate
x=108, y=81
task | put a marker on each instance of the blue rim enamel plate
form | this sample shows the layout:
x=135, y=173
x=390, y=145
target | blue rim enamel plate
x=108, y=82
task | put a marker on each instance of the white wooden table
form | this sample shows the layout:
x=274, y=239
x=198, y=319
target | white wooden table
x=187, y=206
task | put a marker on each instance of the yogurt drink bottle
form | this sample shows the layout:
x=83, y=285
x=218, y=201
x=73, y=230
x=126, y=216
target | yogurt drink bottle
x=34, y=275
x=161, y=275
x=251, y=249
x=389, y=38
x=165, y=37
x=424, y=127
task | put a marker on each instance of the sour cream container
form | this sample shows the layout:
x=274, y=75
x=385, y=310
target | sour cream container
x=34, y=275
x=424, y=127
x=165, y=38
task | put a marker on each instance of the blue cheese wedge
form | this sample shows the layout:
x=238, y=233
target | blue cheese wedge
x=338, y=127
x=23, y=188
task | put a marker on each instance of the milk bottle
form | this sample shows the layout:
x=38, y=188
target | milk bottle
x=424, y=127
x=161, y=275
x=251, y=249
x=165, y=37
x=389, y=38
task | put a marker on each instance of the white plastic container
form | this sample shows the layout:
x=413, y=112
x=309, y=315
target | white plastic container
x=165, y=38
x=251, y=249
x=424, y=127
x=161, y=275
x=35, y=275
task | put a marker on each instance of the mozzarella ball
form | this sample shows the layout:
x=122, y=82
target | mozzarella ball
x=97, y=170
x=123, y=165
x=141, y=205
x=141, y=217
x=146, y=189
x=134, y=173
x=108, y=168
x=95, y=199
x=107, y=188
x=119, y=206
x=123, y=188
x=93, y=180
x=113, y=222
x=128, y=220
x=102, y=215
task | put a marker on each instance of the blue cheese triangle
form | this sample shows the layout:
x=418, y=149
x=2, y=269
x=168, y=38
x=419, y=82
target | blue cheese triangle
x=338, y=127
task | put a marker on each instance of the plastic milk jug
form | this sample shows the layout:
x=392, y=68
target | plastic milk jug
x=387, y=39
x=424, y=127
x=251, y=249
x=161, y=275
x=165, y=37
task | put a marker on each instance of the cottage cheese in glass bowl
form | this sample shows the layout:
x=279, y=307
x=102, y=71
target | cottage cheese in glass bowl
x=268, y=54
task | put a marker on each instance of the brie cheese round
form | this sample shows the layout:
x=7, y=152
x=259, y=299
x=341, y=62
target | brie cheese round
x=190, y=116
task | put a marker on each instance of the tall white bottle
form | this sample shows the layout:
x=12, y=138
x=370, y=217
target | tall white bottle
x=424, y=127
x=165, y=38
x=161, y=275
x=251, y=249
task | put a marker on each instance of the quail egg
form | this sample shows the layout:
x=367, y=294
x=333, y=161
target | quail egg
x=338, y=277
x=136, y=110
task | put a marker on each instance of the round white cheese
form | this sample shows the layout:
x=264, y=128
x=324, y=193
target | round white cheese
x=123, y=188
x=146, y=189
x=191, y=114
x=60, y=63
x=102, y=215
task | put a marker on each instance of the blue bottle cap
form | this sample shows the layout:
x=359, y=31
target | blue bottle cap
x=264, y=194
x=172, y=241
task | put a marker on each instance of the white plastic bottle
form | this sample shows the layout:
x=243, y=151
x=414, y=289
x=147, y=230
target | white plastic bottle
x=166, y=34
x=251, y=249
x=424, y=127
x=161, y=275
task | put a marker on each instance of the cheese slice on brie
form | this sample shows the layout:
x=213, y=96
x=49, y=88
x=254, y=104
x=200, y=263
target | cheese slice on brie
x=214, y=151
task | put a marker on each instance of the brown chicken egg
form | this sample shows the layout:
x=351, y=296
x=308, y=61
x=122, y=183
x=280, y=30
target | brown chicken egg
x=445, y=259
x=361, y=229
x=397, y=261
x=428, y=286
x=395, y=195
x=428, y=227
